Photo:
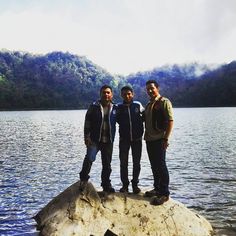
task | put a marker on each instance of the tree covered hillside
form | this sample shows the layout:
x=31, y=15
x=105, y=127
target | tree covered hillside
x=215, y=88
x=65, y=81
x=56, y=80
x=192, y=85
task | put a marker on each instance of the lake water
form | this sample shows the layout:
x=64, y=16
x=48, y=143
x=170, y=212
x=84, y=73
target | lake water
x=41, y=154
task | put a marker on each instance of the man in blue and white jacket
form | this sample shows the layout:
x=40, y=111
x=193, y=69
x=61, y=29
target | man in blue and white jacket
x=129, y=118
x=99, y=133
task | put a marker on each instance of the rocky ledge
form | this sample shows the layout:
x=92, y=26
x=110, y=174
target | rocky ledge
x=81, y=210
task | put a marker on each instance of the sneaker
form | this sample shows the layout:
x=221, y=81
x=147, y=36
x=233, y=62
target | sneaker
x=108, y=189
x=124, y=189
x=159, y=200
x=151, y=193
x=136, y=189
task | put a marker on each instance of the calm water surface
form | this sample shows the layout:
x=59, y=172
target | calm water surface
x=41, y=154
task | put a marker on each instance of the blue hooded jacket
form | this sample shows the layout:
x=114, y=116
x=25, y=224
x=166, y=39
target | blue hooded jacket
x=129, y=118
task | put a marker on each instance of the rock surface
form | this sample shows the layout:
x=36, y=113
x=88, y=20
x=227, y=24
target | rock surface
x=81, y=210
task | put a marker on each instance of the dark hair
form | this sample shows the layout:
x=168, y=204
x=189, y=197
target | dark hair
x=151, y=81
x=105, y=87
x=126, y=88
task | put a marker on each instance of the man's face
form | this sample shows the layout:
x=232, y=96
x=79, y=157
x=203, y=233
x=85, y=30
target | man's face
x=106, y=95
x=127, y=96
x=152, y=90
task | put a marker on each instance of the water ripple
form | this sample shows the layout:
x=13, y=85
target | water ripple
x=42, y=154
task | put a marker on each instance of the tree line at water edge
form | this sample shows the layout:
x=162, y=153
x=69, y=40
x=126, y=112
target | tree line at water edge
x=60, y=80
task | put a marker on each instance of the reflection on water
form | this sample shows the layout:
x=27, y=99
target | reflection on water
x=42, y=153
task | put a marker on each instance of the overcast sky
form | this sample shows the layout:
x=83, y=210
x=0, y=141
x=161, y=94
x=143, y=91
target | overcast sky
x=123, y=36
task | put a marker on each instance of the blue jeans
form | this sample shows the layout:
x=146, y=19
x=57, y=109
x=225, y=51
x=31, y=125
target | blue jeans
x=106, y=155
x=157, y=158
x=136, y=148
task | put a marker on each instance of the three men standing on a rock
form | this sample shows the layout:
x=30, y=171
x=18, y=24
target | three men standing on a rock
x=99, y=133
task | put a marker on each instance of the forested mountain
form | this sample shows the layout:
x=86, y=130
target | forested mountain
x=215, y=88
x=56, y=80
x=65, y=81
x=174, y=80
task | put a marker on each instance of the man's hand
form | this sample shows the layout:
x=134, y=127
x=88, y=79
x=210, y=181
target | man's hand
x=165, y=143
x=88, y=141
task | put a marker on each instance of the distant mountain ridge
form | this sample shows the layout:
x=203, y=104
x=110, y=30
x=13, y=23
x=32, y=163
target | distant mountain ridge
x=60, y=80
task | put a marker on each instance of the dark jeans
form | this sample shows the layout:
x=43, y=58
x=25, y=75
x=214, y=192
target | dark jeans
x=136, y=148
x=157, y=157
x=106, y=155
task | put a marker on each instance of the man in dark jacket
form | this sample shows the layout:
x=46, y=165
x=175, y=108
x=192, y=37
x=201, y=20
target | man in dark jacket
x=129, y=118
x=99, y=133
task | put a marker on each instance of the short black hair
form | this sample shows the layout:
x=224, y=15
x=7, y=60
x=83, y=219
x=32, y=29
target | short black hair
x=152, y=81
x=126, y=88
x=105, y=86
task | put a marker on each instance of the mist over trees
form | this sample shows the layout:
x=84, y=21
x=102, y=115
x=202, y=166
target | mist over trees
x=65, y=81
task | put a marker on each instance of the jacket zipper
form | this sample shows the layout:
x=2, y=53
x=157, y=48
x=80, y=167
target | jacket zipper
x=130, y=124
x=100, y=134
x=111, y=106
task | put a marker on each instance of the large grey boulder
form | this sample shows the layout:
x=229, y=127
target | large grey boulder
x=81, y=210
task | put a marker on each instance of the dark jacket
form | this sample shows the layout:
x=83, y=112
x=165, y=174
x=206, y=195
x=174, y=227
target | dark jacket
x=94, y=120
x=129, y=118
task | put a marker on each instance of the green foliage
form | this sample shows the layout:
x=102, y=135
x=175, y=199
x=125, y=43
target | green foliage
x=215, y=88
x=65, y=81
x=56, y=80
